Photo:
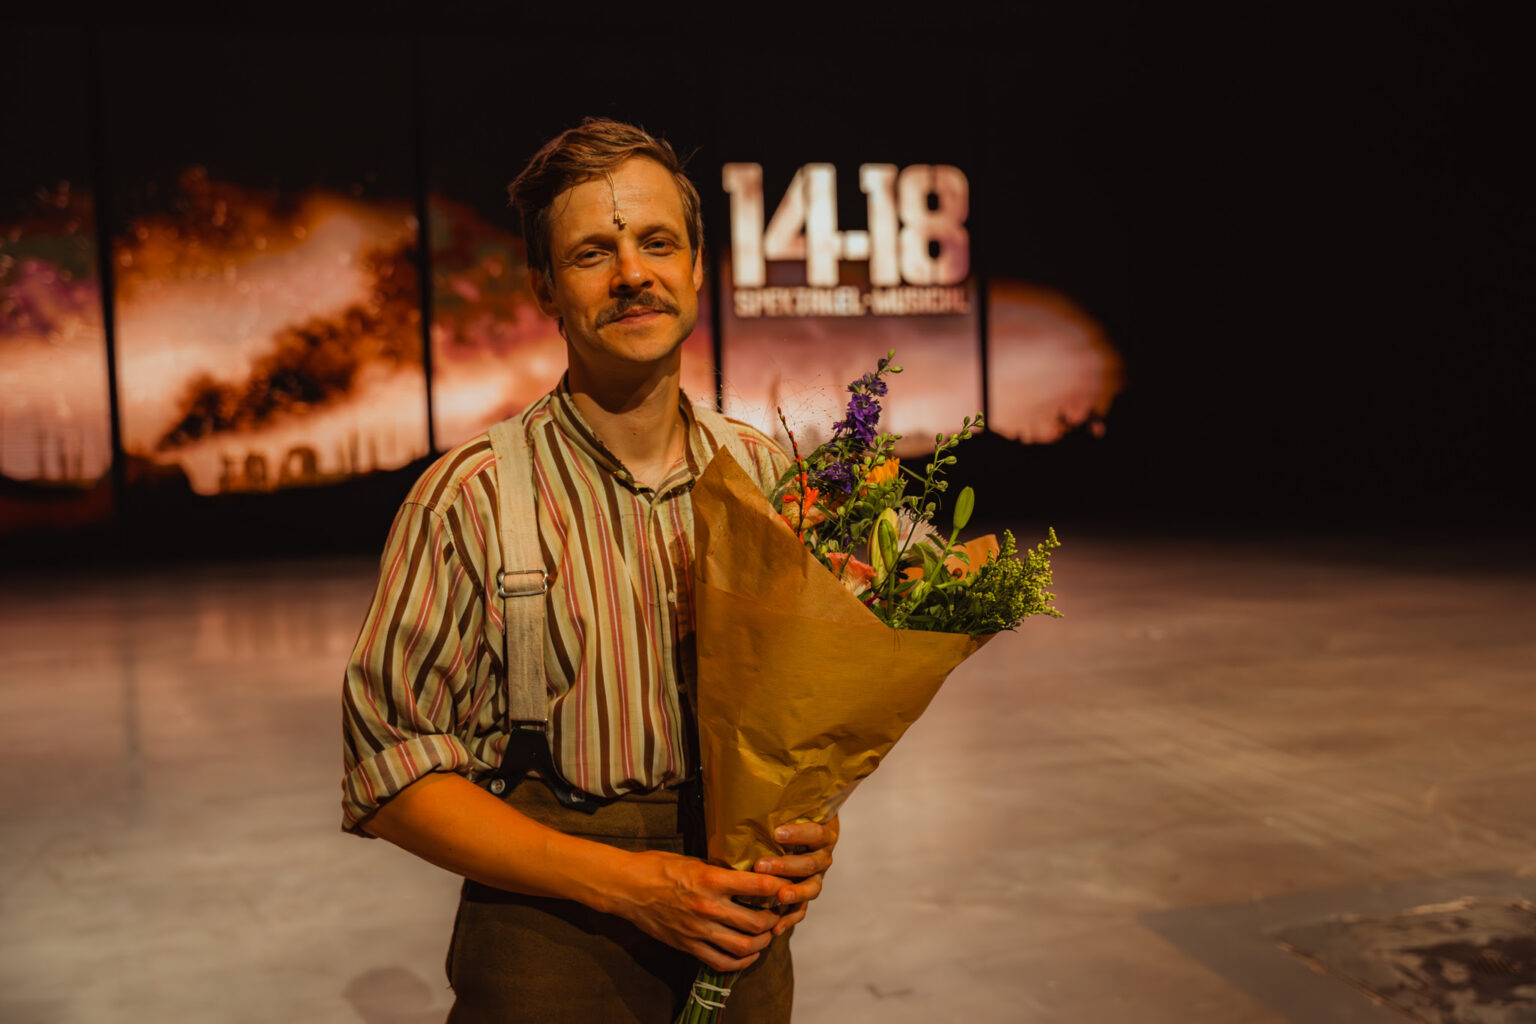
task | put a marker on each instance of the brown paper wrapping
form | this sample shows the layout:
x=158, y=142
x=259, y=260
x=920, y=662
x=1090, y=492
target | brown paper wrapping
x=801, y=691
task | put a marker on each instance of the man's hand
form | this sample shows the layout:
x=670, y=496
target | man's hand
x=682, y=901
x=690, y=905
x=813, y=844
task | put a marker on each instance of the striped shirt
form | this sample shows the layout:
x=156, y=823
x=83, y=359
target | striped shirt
x=425, y=689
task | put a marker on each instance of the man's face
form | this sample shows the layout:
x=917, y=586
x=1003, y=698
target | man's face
x=626, y=286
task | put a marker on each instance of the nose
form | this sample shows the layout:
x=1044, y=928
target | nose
x=630, y=272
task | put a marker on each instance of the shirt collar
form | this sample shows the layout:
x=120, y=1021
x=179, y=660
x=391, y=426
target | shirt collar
x=568, y=418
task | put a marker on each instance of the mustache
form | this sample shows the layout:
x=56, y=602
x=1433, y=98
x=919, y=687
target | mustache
x=648, y=300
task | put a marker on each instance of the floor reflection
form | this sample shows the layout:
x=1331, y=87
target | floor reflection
x=1211, y=726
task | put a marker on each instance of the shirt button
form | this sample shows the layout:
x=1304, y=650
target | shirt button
x=672, y=597
x=498, y=786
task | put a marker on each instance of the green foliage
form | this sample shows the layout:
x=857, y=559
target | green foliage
x=842, y=513
x=1004, y=591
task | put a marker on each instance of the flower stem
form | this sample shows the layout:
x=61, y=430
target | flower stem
x=805, y=483
x=706, y=1001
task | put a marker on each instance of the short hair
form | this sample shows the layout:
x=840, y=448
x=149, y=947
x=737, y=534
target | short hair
x=589, y=151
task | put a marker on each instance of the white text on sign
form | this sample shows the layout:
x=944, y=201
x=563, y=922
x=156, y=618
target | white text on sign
x=916, y=245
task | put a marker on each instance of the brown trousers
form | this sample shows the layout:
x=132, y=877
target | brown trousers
x=520, y=958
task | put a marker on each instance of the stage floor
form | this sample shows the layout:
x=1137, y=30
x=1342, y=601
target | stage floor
x=1104, y=818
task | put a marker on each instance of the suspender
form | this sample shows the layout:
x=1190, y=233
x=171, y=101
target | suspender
x=522, y=576
x=719, y=426
x=521, y=583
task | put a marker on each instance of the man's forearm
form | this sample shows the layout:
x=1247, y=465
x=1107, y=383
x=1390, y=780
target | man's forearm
x=684, y=902
x=448, y=820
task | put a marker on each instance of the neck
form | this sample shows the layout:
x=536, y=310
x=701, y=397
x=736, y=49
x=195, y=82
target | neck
x=635, y=412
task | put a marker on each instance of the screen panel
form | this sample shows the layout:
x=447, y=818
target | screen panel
x=268, y=318
x=55, y=418
x=1050, y=367
x=266, y=341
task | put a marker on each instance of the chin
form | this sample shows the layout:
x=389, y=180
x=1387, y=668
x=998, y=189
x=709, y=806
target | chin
x=646, y=346
x=659, y=353
x=631, y=351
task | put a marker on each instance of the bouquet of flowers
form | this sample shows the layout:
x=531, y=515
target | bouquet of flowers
x=849, y=496
x=829, y=612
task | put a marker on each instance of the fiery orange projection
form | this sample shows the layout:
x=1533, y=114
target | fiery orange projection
x=1049, y=365
x=265, y=344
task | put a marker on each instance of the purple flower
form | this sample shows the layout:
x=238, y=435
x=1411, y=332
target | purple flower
x=853, y=435
x=835, y=478
x=863, y=418
x=870, y=382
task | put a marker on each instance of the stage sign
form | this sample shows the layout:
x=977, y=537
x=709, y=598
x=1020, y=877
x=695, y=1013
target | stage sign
x=810, y=306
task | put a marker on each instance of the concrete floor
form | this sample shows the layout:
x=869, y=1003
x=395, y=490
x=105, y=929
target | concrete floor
x=1098, y=820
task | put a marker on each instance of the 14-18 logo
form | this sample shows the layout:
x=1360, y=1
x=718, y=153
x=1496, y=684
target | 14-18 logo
x=916, y=219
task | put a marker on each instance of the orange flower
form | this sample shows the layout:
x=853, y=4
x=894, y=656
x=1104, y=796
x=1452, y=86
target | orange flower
x=857, y=576
x=977, y=551
x=792, y=507
x=882, y=473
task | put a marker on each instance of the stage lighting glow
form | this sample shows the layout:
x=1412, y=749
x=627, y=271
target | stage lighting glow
x=1051, y=368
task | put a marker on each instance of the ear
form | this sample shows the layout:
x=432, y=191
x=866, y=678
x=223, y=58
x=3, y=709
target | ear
x=698, y=267
x=543, y=292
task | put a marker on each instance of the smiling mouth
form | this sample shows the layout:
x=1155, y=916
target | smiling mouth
x=635, y=308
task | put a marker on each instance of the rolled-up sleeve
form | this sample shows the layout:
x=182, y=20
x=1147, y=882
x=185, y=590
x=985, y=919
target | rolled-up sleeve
x=409, y=680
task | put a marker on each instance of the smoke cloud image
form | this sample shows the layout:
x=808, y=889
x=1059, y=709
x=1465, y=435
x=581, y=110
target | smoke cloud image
x=266, y=342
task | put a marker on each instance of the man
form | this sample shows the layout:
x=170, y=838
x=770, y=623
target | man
x=570, y=915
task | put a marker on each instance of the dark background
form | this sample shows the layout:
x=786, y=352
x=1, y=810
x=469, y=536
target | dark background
x=1305, y=233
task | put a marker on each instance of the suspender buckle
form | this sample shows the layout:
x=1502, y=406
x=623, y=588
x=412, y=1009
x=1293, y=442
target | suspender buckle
x=528, y=751
x=531, y=582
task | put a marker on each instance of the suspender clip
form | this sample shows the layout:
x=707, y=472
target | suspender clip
x=527, y=751
x=529, y=582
